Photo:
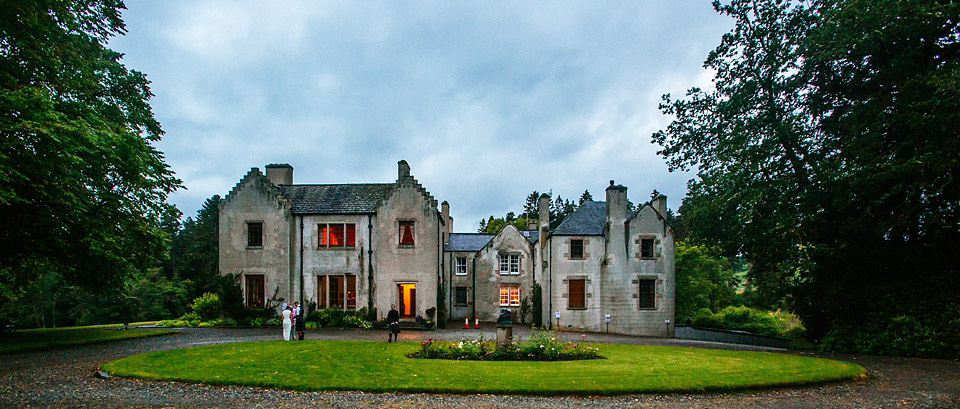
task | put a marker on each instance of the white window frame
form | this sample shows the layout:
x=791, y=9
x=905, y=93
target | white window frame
x=514, y=264
x=461, y=268
x=504, y=264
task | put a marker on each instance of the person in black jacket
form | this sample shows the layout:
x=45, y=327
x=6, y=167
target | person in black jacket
x=300, y=323
x=393, y=319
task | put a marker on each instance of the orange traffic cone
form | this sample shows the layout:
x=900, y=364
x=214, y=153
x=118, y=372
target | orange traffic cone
x=476, y=322
x=466, y=323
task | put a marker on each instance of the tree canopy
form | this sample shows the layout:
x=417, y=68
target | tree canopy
x=826, y=157
x=82, y=187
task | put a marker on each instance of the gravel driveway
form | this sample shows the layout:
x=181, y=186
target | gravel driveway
x=64, y=378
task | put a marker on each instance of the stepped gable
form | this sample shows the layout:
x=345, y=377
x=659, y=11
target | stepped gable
x=352, y=198
x=254, y=175
x=467, y=241
x=405, y=179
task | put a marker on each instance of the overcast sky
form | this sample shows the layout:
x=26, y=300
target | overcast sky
x=487, y=101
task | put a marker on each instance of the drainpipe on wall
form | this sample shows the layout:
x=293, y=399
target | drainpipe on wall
x=550, y=273
x=370, y=263
x=473, y=288
x=301, y=258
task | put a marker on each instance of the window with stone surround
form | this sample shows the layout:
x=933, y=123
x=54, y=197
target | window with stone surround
x=461, y=268
x=647, y=296
x=646, y=247
x=509, y=295
x=509, y=264
x=576, y=249
x=460, y=298
x=254, y=287
x=406, y=232
x=254, y=234
x=336, y=235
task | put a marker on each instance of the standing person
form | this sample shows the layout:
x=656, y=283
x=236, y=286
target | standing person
x=294, y=317
x=301, y=323
x=286, y=313
x=393, y=318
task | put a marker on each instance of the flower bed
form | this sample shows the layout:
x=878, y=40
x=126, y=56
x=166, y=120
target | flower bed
x=541, y=346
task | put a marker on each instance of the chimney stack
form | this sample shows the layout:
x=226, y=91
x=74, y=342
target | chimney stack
x=280, y=173
x=447, y=221
x=543, y=207
x=403, y=170
x=616, y=203
x=659, y=203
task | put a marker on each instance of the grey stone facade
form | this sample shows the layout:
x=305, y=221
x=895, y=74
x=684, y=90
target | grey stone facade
x=361, y=245
x=340, y=246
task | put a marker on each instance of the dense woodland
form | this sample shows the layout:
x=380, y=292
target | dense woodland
x=825, y=154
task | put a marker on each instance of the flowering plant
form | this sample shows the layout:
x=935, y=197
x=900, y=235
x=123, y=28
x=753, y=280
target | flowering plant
x=541, y=346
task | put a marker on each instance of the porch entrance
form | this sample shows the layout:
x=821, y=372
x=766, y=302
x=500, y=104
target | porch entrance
x=407, y=293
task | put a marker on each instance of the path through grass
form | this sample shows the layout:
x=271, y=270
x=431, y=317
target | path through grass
x=382, y=367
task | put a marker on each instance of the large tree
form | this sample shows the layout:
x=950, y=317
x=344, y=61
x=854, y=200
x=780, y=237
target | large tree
x=826, y=156
x=82, y=187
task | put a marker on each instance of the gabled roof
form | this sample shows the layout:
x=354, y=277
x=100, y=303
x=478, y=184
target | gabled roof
x=467, y=241
x=336, y=199
x=588, y=220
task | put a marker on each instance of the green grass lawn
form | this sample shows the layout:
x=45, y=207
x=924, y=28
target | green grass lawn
x=382, y=367
x=31, y=339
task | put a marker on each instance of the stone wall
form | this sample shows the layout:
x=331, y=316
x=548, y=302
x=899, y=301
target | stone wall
x=255, y=199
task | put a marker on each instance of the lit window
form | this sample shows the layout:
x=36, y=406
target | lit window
x=509, y=296
x=461, y=266
x=352, y=292
x=336, y=235
x=406, y=233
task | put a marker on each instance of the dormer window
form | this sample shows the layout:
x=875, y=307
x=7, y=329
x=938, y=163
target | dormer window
x=406, y=233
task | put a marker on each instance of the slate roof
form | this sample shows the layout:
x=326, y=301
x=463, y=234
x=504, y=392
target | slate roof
x=588, y=220
x=336, y=199
x=531, y=235
x=467, y=241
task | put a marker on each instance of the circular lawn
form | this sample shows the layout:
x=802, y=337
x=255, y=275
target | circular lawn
x=384, y=367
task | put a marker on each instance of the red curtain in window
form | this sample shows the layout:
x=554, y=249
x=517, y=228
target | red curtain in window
x=406, y=232
x=351, y=235
x=322, y=231
x=336, y=235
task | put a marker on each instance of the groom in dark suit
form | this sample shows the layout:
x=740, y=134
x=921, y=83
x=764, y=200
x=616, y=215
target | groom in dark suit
x=393, y=320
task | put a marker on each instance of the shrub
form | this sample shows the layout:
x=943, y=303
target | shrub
x=541, y=346
x=207, y=306
x=741, y=319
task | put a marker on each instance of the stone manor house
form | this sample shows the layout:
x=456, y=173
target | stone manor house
x=349, y=246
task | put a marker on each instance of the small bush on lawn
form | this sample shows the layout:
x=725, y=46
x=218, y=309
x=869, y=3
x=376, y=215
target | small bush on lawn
x=541, y=346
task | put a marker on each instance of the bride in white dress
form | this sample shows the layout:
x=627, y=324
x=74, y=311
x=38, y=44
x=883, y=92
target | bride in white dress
x=286, y=313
